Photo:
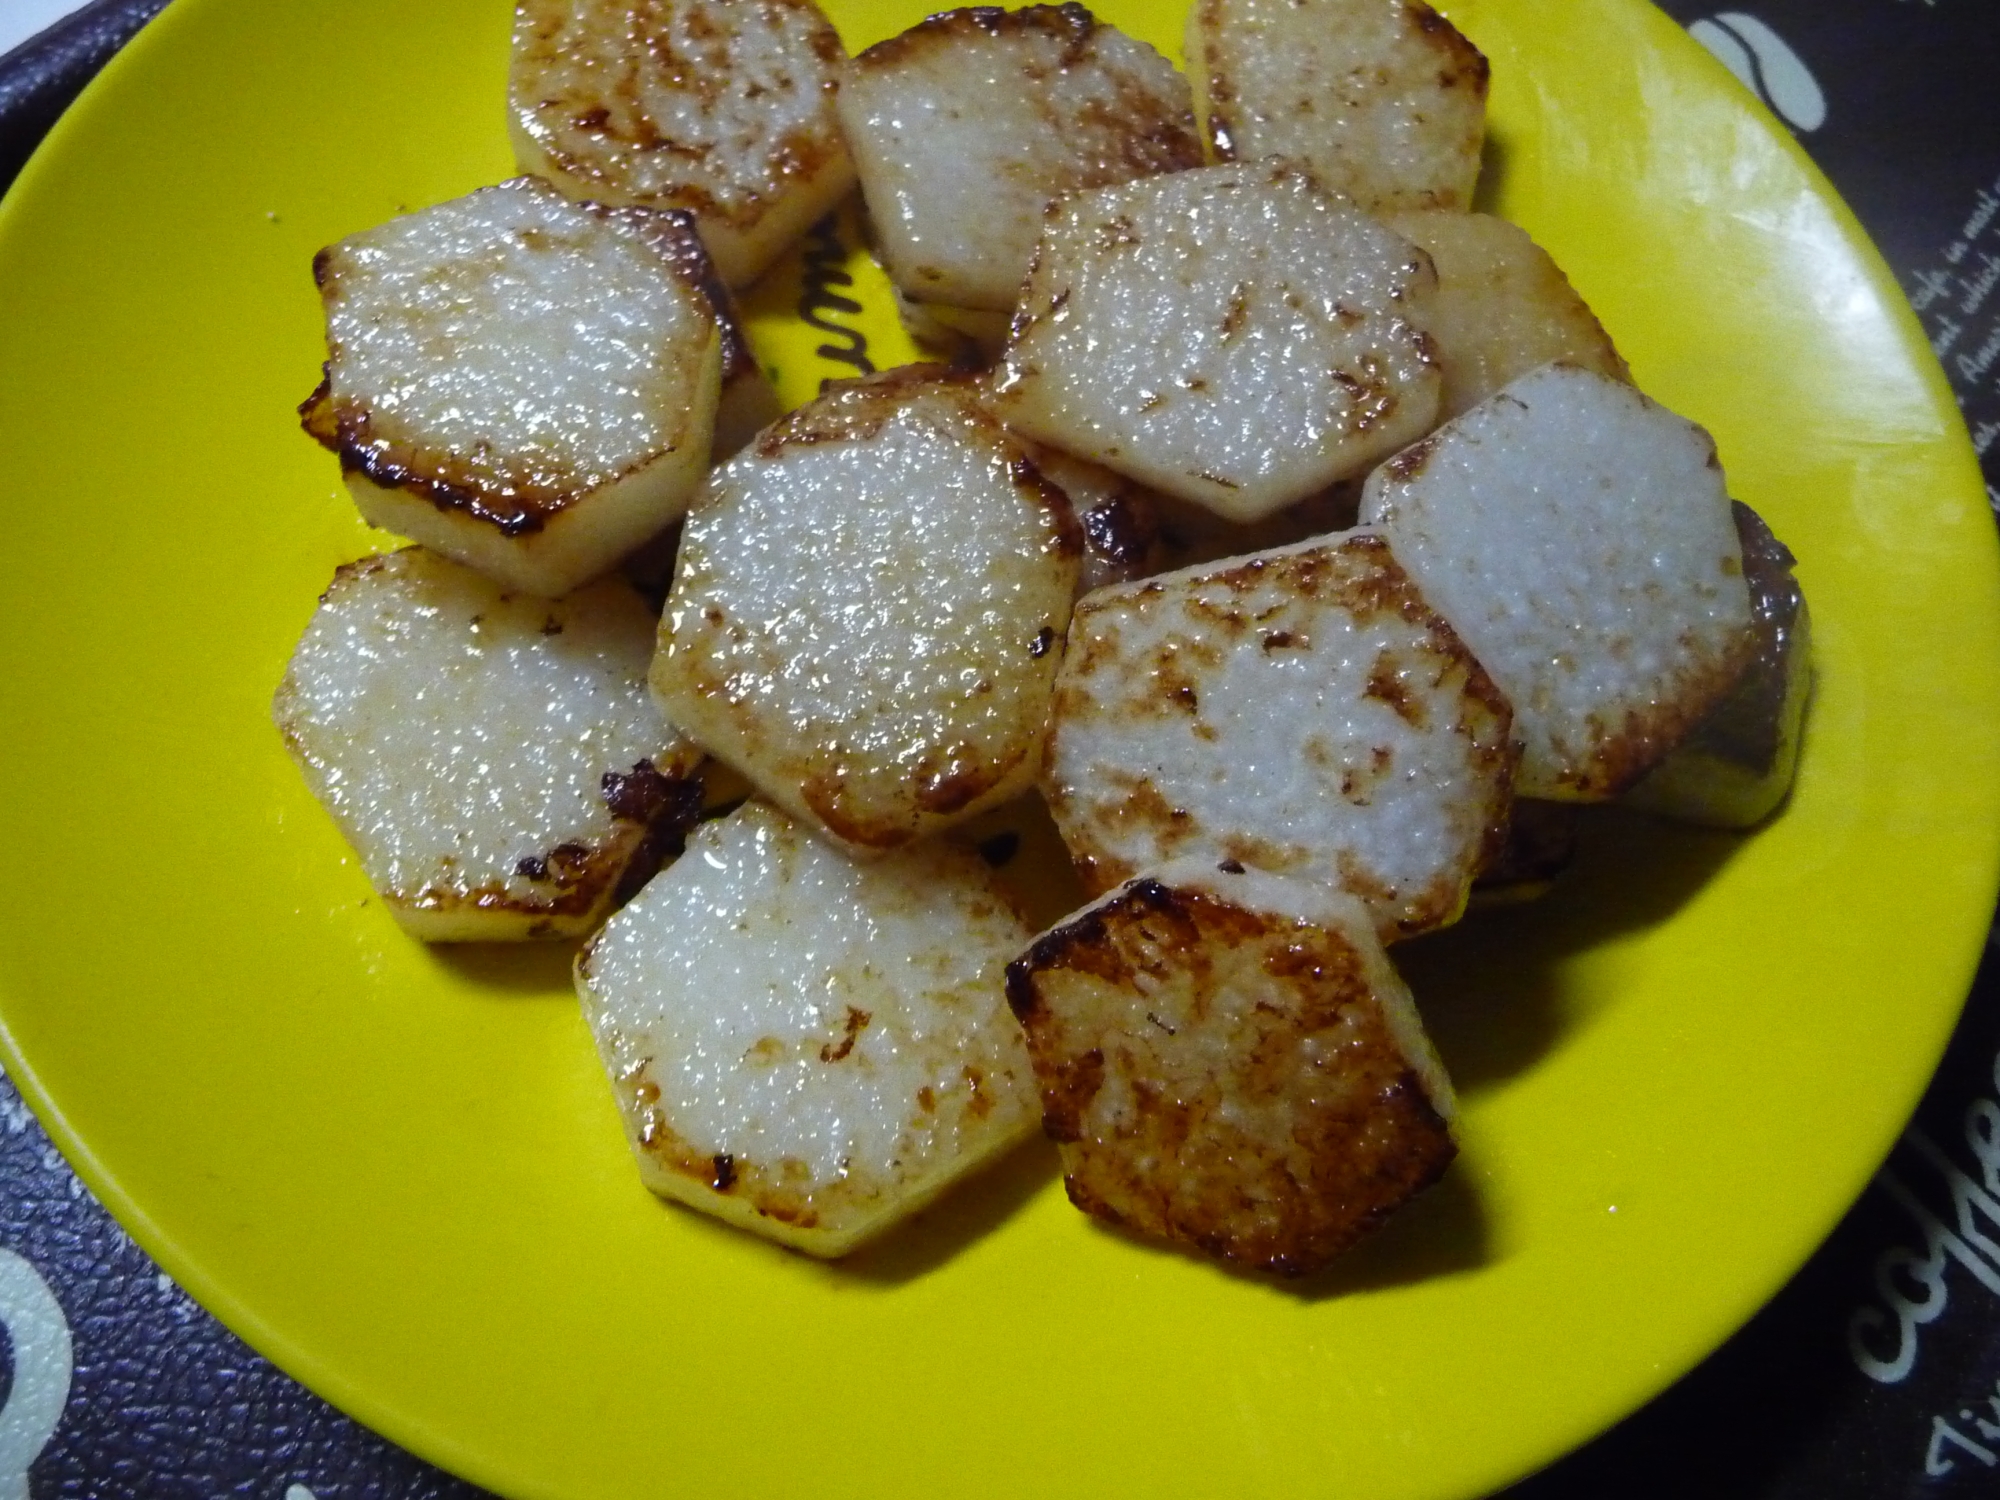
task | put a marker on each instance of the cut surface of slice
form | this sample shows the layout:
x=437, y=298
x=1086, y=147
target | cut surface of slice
x=724, y=108
x=964, y=128
x=868, y=610
x=523, y=383
x=1579, y=538
x=1230, y=335
x=1302, y=711
x=1383, y=99
x=805, y=1046
x=1227, y=1060
x=494, y=759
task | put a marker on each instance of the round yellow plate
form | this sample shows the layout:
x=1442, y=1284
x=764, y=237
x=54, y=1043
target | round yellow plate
x=398, y=1172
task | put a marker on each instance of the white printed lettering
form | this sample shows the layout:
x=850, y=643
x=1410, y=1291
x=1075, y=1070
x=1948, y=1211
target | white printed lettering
x=1937, y=1465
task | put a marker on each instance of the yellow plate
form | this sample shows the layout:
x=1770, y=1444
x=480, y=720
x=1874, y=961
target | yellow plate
x=398, y=1172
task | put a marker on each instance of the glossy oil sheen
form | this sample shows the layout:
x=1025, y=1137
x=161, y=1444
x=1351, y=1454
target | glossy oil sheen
x=398, y=1171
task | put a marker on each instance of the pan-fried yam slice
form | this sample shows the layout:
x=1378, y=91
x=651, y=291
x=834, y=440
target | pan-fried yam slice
x=1503, y=307
x=720, y=107
x=961, y=336
x=964, y=127
x=1382, y=99
x=521, y=382
x=1230, y=335
x=1229, y=1062
x=869, y=609
x=1737, y=765
x=494, y=758
x=1302, y=711
x=1579, y=538
x=1120, y=520
x=807, y=1047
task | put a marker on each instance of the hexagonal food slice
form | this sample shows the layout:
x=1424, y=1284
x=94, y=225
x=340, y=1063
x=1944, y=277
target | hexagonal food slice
x=869, y=610
x=808, y=1047
x=1228, y=1061
x=720, y=107
x=964, y=127
x=1231, y=335
x=521, y=382
x=494, y=759
x=1302, y=711
x=1736, y=766
x=1579, y=538
x=1503, y=307
x=1382, y=99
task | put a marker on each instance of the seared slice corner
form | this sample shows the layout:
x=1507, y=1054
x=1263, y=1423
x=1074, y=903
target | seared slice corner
x=1119, y=518
x=723, y=108
x=1302, y=711
x=1503, y=307
x=1230, y=335
x=1229, y=1061
x=964, y=127
x=520, y=382
x=1382, y=99
x=869, y=609
x=1738, y=764
x=1578, y=537
x=807, y=1047
x=494, y=759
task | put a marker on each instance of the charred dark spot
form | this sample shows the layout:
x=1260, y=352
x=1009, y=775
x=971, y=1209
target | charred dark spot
x=1277, y=640
x=722, y=1172
x=1409, y=463
x=1231, y=867
x=999, y=849
x=1238, y=312
x=666, y=806
x=1117, y=233
x=833, y=1052
x=1044, y=639
x=552, y=626
x=532, y=867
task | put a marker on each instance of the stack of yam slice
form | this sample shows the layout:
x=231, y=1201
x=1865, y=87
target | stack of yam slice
x=1293, y=534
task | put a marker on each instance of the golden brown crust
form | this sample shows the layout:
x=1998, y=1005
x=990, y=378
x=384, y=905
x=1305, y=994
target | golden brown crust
x=613, y=126
x=1361, y=576
x=1222, y=1078
x=1147, y=135
x=510, y=498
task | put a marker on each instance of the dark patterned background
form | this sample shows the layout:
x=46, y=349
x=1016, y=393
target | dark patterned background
x=1875, y=1373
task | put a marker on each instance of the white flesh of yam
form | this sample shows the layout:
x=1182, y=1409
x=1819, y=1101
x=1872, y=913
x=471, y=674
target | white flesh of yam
x=494, y=759
x=804, y=1046
x=1228, y=1061
x=868, y=610
x=520, y=382
x=1503, y=307
x=964, y=127
x=720, y=107
x=1382, y=99
x=1230, y=335
x=1302, y=711
x=1579, y=539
